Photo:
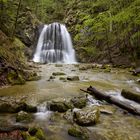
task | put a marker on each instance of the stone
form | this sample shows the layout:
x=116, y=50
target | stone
x=58, y=73
x=87, y=116
x=78, y=131
x=73, y=78
x=69, y=115
x=60, y=105
x=79, y=102
x=131, y=95
x=23, y=117
x=35, y=132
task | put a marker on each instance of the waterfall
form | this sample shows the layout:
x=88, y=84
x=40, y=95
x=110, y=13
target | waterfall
x=54, y=45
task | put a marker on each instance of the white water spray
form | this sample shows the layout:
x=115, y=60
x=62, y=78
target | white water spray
x=54, y=45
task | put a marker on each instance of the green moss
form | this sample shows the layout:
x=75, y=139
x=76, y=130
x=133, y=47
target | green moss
x=58, y=73
x=15, y=78
x=37, y=133
x=77, y=131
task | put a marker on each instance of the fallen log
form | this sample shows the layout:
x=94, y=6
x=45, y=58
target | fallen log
x=113, y=100
x=131, y=95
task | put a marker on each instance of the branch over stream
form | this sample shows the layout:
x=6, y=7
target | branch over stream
x=112, y=99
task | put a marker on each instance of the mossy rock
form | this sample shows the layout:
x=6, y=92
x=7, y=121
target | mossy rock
x=79, y=102
x=63, y=78
x=37, y=132
x=15, y=78
x=32, y=76
x=131, y=95
x=60, y=105
x=78, y=131
x=6, y=107
x=58, y=73
x=73, y=78
x=24, y=117
x=87, y=116
x=26, y=107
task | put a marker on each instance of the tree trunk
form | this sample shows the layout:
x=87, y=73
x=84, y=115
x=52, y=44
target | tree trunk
x=114, y=100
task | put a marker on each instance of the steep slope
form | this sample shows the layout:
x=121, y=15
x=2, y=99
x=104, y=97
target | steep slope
x=105, y=30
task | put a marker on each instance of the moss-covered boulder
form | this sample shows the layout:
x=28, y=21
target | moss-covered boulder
x=58, y=73
x=37, y=132
x=131, y=95
x=73, y=78
x=87, y=116
x=24, y=117
x=60, y=105
x=78, y=131
x=11, y=105
x=79, y=102
x=15, y=77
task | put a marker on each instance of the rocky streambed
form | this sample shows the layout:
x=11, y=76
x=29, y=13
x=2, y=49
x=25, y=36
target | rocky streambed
x=54, y=108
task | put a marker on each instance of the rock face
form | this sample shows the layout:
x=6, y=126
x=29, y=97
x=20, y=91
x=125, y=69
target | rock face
x=87, y=116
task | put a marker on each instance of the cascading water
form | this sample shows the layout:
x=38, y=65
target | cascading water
x=54, y=45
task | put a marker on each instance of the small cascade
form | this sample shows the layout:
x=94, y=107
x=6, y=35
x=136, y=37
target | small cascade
x=54, y=45
x=43, y=112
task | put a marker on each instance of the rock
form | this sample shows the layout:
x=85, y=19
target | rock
x=23, y=117
x=131, y=95
x=7, y=108
x=37, y=132
x=107, y=109
x=11, y=105
x=78, y=131
x=86, y=67
x=138, y=80
x=52, y=77
x=58, y=65
x=32, y=76
x=73, y=78
x=15, y=78
x=58, y=73
x=63, y=78
x=136, y=71
x=69, y=115
x=60, y=105
x=87, y=116
x=79, y=102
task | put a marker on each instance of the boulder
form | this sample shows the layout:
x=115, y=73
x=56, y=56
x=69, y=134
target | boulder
x=60, y=105
x=23, y=117
x=79, y=102
x=131, y=95
x=87, y=116
x=73, y=78
x=37, y=132
x=78, y=131
x=58, y=73
x=69, y=115
x=11, y=105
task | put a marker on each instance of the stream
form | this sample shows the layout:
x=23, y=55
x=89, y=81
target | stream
x=117, y=126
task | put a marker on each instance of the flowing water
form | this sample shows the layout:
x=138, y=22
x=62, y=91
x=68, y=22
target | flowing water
x=54, y=45
x=118, y=126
